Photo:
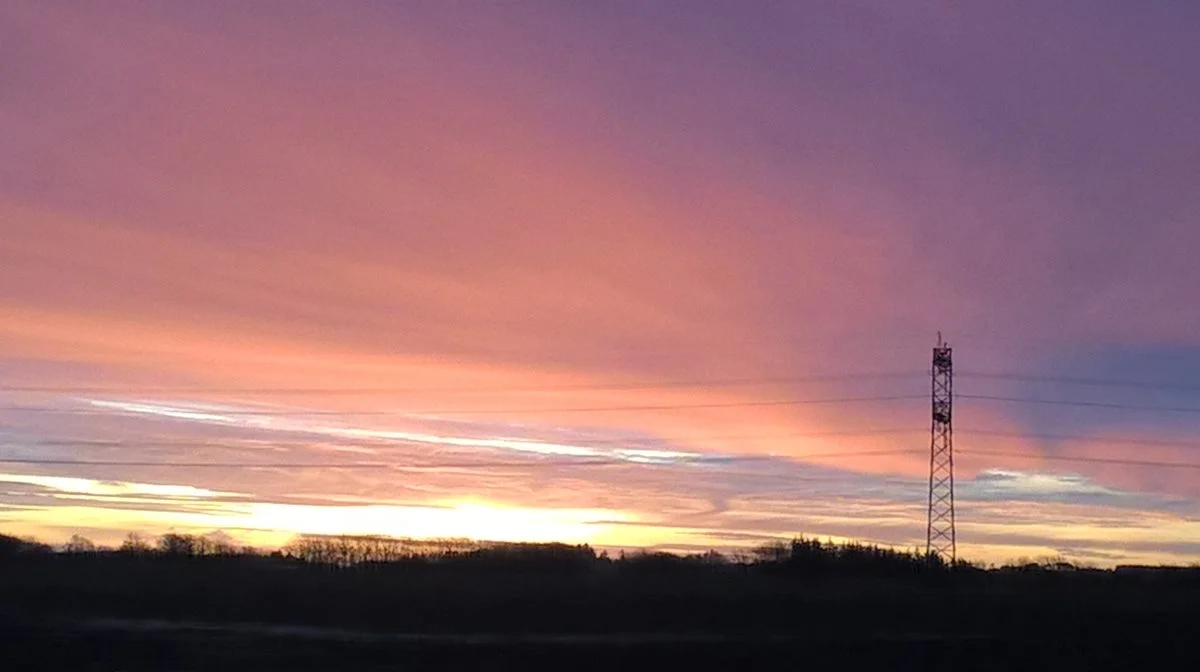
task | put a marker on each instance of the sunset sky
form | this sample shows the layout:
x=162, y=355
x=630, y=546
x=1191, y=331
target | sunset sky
x=636, y=274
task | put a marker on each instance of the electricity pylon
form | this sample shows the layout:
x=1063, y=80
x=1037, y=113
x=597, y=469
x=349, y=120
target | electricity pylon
x=939, y=538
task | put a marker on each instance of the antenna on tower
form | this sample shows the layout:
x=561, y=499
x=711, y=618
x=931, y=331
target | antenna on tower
x=940, y=537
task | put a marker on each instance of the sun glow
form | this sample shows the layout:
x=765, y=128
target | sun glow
x=111, y=505
x=474, y=520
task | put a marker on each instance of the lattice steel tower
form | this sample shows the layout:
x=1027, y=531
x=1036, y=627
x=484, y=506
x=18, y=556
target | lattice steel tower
x=939, y=538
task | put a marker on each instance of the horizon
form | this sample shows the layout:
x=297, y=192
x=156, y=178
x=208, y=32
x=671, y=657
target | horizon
x=219, y=544
x=647, y=275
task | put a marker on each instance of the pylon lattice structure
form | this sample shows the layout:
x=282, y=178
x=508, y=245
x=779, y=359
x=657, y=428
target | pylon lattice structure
x=940, y=539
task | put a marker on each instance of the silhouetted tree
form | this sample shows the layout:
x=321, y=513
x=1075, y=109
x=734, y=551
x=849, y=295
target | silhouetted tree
x=180, y=545
x=774, y=551
x=79, y=544
x=135, y=544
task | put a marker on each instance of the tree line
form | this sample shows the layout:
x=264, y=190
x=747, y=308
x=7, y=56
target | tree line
x=801, y=554
x=362, y=551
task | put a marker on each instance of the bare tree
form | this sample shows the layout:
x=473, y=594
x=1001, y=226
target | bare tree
x=135, y=543
x=179, y=544
x=79, y=544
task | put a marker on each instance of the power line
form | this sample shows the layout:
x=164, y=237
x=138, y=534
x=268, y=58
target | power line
x=586, y=463
x=579, y=463
x=630, y=385
x=591, y=409
x=1067, y=402
x=166, y=411
x=636, y=442
x=708, y=464
x=582, y=442
x=608, y=461
x=1118, y=441
x=301, y=465
x=235, y=443
x=698, y=469
x=634, y=385
x=1088, y=382
x=1090, y=460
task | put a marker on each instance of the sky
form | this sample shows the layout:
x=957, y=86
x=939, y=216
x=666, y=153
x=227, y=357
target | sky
x=632, y=274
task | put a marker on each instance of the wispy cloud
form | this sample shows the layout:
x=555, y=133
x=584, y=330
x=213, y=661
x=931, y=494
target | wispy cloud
x=87, y=486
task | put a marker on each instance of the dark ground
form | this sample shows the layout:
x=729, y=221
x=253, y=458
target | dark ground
x=116, y=648
x=156, y=612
